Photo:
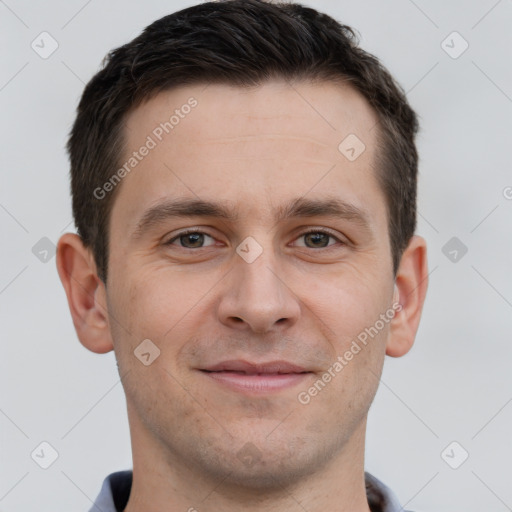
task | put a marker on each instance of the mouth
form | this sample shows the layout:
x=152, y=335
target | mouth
x=257, y=378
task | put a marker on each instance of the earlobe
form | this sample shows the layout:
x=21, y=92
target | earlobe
x=410, y=290
x=85, y=293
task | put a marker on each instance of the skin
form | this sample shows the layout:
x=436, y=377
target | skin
x=255, y=150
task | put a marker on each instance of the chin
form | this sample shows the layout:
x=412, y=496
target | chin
x=264, y=476
x=269, y=469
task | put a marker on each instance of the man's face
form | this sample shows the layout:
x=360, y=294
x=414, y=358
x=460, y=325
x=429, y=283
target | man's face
x=254, y=288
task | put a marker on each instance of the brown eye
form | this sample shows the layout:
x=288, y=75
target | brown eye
x=191, y=240
x=317, y=239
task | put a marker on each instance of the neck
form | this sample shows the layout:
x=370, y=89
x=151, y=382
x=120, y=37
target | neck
x=162, y=483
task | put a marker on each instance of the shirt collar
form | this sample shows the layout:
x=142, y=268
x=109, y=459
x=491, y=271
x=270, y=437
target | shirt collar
x=115, y=492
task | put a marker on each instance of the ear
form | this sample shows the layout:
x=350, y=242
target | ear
x=410, y=290
x=85, y=292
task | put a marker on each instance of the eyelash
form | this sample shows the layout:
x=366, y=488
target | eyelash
x=313, y=230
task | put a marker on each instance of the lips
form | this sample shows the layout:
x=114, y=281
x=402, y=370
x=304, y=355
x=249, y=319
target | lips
x=256, y=378
x=246, y=368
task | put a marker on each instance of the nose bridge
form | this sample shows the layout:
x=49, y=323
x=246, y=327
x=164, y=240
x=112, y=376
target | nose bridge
x=256, y=296
x=259, y=279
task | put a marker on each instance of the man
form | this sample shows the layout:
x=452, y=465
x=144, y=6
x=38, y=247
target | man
x=244, y=188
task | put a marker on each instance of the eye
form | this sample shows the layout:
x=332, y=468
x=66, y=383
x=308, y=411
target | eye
x=191, y=239
x=195, y=239
x=318, y=238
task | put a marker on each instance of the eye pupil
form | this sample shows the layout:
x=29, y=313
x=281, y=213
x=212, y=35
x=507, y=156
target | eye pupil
x=196, y=238
x=318, y=237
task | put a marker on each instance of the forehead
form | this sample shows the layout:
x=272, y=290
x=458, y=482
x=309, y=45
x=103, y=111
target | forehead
x=253, y=147
x=319, y=113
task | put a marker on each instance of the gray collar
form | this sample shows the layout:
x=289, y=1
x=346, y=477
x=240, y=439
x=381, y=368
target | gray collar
x=115, y=492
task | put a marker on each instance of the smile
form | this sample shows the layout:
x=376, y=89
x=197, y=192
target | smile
x=259, y=378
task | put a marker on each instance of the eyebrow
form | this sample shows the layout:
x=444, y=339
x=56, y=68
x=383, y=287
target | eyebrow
x=296, y=208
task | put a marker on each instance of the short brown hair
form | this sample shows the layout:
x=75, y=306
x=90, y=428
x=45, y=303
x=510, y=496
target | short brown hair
x=243, y=43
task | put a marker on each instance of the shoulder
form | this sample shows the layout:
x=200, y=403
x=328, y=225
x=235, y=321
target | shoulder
x=380, y=497
x=114, y=493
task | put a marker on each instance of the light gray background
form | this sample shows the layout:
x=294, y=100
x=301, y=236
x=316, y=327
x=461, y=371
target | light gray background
x=456, y=383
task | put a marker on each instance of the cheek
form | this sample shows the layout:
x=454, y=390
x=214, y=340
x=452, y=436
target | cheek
x=345, y=304
x=151, y=302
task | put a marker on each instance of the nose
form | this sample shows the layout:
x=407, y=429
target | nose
x=255, y=297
